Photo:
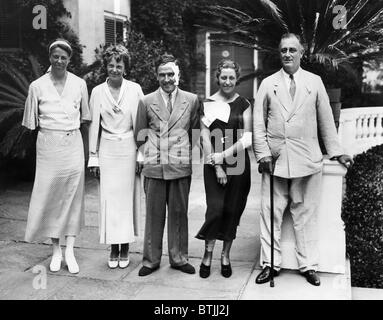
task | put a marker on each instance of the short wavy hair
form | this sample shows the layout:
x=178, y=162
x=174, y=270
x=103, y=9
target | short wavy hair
x=118, y=52
x=164, y=59
x=227, y=64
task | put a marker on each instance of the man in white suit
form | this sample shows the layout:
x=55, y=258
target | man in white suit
x=290, y=106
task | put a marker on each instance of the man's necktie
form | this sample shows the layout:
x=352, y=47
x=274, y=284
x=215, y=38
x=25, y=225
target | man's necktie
x=169, y=105
x=293, y=87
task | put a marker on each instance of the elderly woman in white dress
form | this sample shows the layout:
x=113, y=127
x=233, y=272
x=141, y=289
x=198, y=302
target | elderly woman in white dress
x=112, y=155
x=56, y=105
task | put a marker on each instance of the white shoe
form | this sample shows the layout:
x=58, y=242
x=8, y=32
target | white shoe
x=124, y=262
x=71, y=262
x=55, y=262
x=113, y=263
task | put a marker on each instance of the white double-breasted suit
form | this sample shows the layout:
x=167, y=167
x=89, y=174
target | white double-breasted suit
x=287, y=129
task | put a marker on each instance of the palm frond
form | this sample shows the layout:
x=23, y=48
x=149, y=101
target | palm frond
x=8, y=104
x=315, y=30
x=275, y=12
x=11, y=140
x=261, y=23
x=36, y=68
x=9, y=97
x=18, y=78
x=11, y=90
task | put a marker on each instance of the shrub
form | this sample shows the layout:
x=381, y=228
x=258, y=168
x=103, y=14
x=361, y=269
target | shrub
x=143, y=54
x=363, y=216
x=173, y=23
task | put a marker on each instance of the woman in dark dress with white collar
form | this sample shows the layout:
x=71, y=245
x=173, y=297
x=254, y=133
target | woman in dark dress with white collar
x=226, y=134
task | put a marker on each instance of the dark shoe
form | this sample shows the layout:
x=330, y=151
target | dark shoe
x=265, y=275
x=226, y=270
x=312, y=277
x=204, y=271
x=145, y=271
x=187, y=268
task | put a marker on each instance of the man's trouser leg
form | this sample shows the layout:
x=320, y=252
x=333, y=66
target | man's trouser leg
x=155, y=190
x=178, y=199
x=305, y=197
x=280, y=203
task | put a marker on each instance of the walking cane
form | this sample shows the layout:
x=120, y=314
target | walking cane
x=272, y=227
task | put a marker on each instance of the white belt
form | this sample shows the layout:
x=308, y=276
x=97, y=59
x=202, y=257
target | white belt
x=62, y=132
x=116, y=136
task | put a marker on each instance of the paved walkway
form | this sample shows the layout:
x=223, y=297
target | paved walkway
x=23, y=266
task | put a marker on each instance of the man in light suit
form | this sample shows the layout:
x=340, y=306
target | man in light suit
x=290, y=106
x=164, y=124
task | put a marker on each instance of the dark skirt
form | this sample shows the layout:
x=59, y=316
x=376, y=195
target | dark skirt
x=225, y=205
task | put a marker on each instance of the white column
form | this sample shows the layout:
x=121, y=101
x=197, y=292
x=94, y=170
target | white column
x=379, y=129
x=208, y=66
x=255, y=81
x=332, y=243
x=348, y=132
x=372, y=129
x=365, y=130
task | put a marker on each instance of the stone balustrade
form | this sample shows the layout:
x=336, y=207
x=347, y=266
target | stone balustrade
x=361, y=129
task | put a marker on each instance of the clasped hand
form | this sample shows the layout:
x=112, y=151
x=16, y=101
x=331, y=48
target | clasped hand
x=139, y=166
x=215, y=158
x=95, y=171
x=266, y=165
x=345, y=160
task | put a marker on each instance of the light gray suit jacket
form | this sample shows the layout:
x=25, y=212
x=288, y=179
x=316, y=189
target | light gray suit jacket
x=288, y=129
x=167, y=138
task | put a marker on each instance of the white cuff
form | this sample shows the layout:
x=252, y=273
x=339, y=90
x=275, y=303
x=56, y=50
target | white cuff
x=206, y=121
x=246, y=139
x=140, y=156
x=93, y=161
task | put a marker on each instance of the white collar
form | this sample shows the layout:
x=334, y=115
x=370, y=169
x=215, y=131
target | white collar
x=297, y=74
x=165, y=95
x=122, y=92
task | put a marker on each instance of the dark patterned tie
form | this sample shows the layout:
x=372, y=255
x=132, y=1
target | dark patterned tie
x=293, y=87
x=169, y=105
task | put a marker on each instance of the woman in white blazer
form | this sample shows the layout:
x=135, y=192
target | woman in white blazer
x=112, y=155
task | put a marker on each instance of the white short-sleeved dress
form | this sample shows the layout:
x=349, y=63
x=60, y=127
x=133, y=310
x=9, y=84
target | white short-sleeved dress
x=57, y=203
x=112, y=147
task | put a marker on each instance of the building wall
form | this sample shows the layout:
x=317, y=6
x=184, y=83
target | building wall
x=88, y=21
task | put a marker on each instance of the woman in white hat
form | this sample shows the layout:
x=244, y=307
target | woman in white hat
x=57, y=104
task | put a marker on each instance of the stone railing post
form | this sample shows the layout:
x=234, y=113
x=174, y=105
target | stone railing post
x=348, y=132
x=331, y=235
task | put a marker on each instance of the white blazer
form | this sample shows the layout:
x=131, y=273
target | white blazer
x=287, y=130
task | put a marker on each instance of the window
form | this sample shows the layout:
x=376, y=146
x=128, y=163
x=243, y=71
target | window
x=10, y=29
x=115, y=28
